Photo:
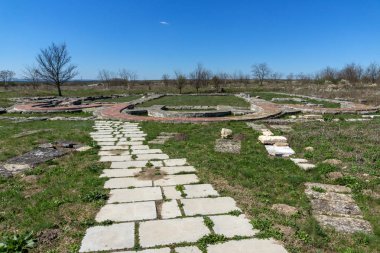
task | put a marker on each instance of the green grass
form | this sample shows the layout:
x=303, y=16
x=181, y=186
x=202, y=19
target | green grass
x=120, y=99
x=197, y=100
x=257, y=181
x=65, y=193
x=269, y=95
x=53, y=114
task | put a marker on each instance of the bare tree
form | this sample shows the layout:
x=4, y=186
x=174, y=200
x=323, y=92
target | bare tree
x=125, y=76
x=180, y=80
x=276, y=76
x=200, y=77
x=106, y=77
x=290, y=78
x=216, y=82
x=32, y=76
x=54, y=65
x=165, y=79
x=6, y=76
x=261, y=71
x=352, y=72
x=224, y=78
x=328, y=74
x=372, y=72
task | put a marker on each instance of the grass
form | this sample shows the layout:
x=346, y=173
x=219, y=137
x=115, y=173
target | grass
x=257, y=181
x=197, y=100
x=121, y=99
x=269, y=95
x=62, y=194
x=53, y=114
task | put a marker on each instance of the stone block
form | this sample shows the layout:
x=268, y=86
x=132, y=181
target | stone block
x=208, y=206
x=247, y=246
x=230, y=226
x=136, y=194
x=170, y=209
x=126, y=182
x=127, y=212
x=176, y=180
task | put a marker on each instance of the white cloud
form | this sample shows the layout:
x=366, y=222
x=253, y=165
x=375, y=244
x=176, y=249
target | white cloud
x=164, y=23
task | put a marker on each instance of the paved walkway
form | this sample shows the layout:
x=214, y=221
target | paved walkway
x=158, y=205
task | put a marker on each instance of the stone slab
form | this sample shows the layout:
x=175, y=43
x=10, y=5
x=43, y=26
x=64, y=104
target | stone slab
x=227, y=146
x=109, y=148
x=170, y=209
x=120, y=172
x=200, y=191
x=344, y=224
x=171, y=193
x=175, y=162
x=247, y=246
x=230, y=226
x=189, y=249
x=306, y=166
x=152, y=156
x=115, y=158
x=136, y=194
x=146, y=151
x=178, y=169
x=113, y=152
x=176, y=180
x=166, y=232
x=134, y=164
x=139, y=147
x=281, y=151
x=113, y=237
x=105, y=143
x=130, y=143
x=127, y=212
x=270, y=140
x=208, y=206
x=125, y=182
x=160, y=250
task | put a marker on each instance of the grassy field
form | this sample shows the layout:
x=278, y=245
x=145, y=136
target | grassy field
x=121, y=99
x=197, y=100
x=269, y=95
x=62, y=195
x=257, y=181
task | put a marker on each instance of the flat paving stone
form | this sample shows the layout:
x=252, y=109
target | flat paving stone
x=344, y=224
x=152, y=156
x=101, y=139
x=146, y=151
x=120, y=172
x=125, y=182
x=170, y=192
x=176, y=180
x=306, y=166
x=105, y=143
x=113, y=152
x=189, y=249
x=165, y=232
x=134, y=164
x=113, y=237
x=136, y=194
x=175, y=162
x=139, y=147
x=178, y=169
x=127, y=212
x=170, y=209
x=281, y=151
x=207, y=206
x=200, y=191
x=115, y=158
x=130, y=143
x=161, y=250
x=247, y=246
x=230, y=226
x=108, y=148
x=270, y=140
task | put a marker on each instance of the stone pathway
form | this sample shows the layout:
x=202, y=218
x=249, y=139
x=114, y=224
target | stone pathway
x=158, y=205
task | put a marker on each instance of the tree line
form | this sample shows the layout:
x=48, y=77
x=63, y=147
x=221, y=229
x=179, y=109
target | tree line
x=53, y=66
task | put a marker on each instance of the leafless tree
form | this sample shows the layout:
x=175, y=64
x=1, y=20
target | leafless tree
x=290, y=78
x=106, y=77
x=6, y=76
x=372, y=73
x=352, y=73
x=32, y=76
x=224, y=78
x=180, y=80
x=216, y=82
x=126, y=76
x=276, y=76
x=261, y=71
x=54, y=65
x=166, y=79
x=199, y=77
x=328, y=74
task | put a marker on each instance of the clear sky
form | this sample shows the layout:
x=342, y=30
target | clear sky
x=153, y=37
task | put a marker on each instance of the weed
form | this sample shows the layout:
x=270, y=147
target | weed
x=210, y=239
x=318, y=189
x=208, y=222
x=95, y=196
x=19, y=243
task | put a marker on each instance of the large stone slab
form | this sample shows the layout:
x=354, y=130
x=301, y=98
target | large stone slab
x=170, y=209
x=146, y=151
x=170, y=192
x=125, y=182
x=166, y=232
x=139, y=147
x=120, y=172
x=230, y=226
x=113, y=237
x=188, y=249
x=127, y=212
x=113, y=152
x=270, y=140
x=134, y=164
x=200, y=191
x=175, y=162
x=207, y=206
x=136, y=194
x=160, y=250
x=109, y=148
x=247, y=246
x=152, y=156
x=227, y=146
x=178, y=169
x=281, y=151
x=115, y=158
x=344, y=224
x=176, y=180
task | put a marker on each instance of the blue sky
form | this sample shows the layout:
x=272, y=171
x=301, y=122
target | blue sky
x=290, y=35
